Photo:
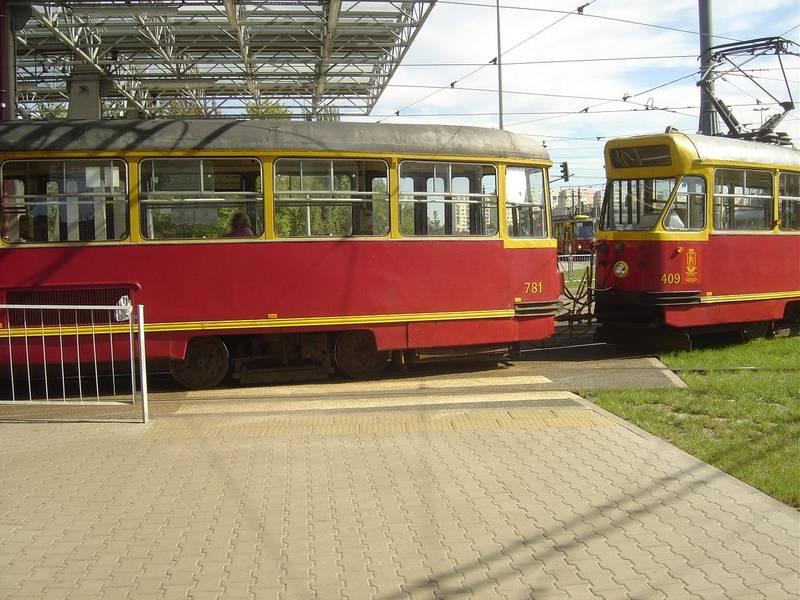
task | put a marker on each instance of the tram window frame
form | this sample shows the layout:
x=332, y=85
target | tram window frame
x=526, y=209
x=789, y=201
x=206, y=212
x=64, y=210
x=331, y=207
x=628, y=213
x=419, y=216
x=687, y=210
x=745, y=206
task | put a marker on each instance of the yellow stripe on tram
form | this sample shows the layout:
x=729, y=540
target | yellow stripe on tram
x=270, y=323
x=749, y=297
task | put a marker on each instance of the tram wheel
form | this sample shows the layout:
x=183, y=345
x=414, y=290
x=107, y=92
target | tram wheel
x=754, y=331
x=204, y=366
x=356, y=355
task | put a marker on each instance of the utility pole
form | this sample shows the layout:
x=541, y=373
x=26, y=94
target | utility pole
x=499, y=69
x=13, y=16
x=708, y=116
x=6, y=103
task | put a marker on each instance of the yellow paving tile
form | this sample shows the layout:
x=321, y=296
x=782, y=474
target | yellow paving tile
x=232, y=426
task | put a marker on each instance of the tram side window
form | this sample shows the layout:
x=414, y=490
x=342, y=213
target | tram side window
x=634, y=204
x=789, y=201
x=64, y=201
x=688, y=210
x=201, y=198
x=331, y=198
x=525, y=202
x=447, y=199
x=742, y=200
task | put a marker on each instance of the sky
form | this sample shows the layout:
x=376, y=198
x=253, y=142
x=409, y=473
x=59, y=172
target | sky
x=658, y=39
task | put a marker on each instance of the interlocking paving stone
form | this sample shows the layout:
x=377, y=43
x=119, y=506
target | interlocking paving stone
x=475, y=502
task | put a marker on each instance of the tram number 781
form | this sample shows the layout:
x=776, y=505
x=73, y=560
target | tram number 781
x=533, y=287
x=670, y=278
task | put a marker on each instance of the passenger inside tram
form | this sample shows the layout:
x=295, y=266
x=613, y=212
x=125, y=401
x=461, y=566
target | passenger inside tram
x=240, y=226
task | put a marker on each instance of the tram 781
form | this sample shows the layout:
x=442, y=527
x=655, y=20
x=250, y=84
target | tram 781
x=279, y=246
x=698, y=234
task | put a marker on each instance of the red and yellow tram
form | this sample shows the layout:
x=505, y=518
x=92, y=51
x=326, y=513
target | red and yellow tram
x=575, y=234
x=697, y=234
x=259, y=246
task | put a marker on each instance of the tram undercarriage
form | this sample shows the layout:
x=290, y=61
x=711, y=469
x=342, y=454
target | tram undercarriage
x=282, y=358
x=649, y=324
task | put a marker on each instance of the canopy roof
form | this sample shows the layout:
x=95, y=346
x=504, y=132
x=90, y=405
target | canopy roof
x=314, y=57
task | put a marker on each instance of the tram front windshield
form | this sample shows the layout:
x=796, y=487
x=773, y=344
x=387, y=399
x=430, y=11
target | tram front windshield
x=584, y=230
x=635, y=204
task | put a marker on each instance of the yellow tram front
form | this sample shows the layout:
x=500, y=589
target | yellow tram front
x=696, y=233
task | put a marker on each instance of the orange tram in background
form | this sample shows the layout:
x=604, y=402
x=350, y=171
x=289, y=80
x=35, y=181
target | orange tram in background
x=575, y=234
x=278, y=247
x=698, y=234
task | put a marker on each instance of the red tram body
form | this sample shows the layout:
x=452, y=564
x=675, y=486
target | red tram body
x=462, y=256
x=698, y=234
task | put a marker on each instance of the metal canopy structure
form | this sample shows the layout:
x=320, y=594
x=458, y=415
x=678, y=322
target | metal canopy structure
x=225, y=58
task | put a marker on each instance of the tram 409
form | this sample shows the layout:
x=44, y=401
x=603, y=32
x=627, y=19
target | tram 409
x=273, y=247
x=698, y=234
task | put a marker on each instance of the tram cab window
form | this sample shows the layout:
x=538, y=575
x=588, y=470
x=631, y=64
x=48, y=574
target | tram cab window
x=687, y=212
x=447, y=199
x=331, y=198
x=197, y=198
x=635, y=204
x=789, y=201
x=742, y=200
x=525, y=202
x=64, y=201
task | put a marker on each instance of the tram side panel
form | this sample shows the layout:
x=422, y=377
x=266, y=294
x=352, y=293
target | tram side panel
x=745, y=278
x=410, y=294
x=684, y=284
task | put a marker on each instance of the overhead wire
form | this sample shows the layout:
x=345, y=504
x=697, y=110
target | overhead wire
x=510, y=92
x=578, y=10
x=588, y=15
x=674, y=109
x=624, y=98
x=560, y=114
x=554, y=61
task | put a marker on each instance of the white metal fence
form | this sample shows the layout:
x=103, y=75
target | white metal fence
x=73, y=356
x=575, y=266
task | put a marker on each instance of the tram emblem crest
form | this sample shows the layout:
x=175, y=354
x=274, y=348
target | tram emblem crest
x=691, y=266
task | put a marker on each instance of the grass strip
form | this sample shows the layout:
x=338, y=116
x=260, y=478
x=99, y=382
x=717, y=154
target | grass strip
x=744, y=422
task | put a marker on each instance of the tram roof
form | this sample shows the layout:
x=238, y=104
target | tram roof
x=285, y=136
x=719, y=148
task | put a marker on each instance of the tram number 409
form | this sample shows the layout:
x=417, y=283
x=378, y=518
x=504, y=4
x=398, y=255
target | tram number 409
x=670, y=278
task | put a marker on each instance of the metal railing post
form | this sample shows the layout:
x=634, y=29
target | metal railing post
x=22, y=339
x=142, y=363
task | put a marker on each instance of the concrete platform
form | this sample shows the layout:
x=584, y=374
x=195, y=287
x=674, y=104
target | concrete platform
x=422, y=490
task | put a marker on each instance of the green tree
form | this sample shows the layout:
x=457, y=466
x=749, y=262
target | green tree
x=50, y=111
x=435, y=226
x=266, y=110
x=181, y=108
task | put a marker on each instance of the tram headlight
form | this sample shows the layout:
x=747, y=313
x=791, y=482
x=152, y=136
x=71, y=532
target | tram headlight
x=621, y=269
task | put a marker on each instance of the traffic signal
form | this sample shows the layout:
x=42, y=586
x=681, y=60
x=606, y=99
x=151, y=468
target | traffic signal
x=565, y=171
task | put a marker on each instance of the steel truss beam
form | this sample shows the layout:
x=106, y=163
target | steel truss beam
x=221, y=57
